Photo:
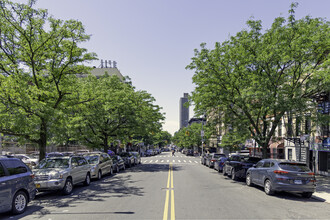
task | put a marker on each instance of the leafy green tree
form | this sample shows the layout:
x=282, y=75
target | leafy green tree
x=39, y=60
x=116, y=112
x=255, y=77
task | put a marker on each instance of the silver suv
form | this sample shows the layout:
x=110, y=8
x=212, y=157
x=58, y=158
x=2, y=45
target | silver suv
x=16, y=185
x=101, y=164
x=61, y=173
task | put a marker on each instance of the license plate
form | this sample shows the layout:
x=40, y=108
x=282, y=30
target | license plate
x=37, y=185
x=297, y=182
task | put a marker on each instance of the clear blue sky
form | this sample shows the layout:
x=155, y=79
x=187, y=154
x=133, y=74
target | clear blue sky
x=153, y=40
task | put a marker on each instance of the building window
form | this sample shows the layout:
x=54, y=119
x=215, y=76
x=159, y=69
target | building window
x=289, y=154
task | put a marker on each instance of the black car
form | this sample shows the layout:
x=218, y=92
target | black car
x=211, y=158
x=118, y=163
x=17, y=186
x=237, y=165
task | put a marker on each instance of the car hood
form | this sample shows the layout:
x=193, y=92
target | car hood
x=48, y=171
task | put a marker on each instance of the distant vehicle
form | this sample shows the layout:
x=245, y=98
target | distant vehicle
x=101, y=164
x=237, y=165
x=220, y=163
x=282, y=175
x=54, y=154
x=17, y=188
x=137, y=157
x=211, y=158
x=118, y=163
x=61, y=173
x=80, y=152
x=128, y=158
x=30, y=161
x=190, y=152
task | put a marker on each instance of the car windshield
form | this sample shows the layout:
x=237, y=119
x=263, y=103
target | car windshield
x=252, y=159
x=53, y=163
x=294, y=167
x=93, y=159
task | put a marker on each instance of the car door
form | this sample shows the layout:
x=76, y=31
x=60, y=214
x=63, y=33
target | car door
x=255, y=172
x=83, y=168
x=75, y=170
x=5, y=190
x=263, y=171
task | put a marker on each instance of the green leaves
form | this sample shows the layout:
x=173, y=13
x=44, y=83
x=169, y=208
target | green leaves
x=255, y=76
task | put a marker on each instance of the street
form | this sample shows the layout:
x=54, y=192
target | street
x=166, y=187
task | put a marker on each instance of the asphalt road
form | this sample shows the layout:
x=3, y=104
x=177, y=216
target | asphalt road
x=166, y=187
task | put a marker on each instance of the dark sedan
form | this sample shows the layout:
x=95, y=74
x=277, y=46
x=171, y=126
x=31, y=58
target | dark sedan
x=282, y=175
x=237, y=165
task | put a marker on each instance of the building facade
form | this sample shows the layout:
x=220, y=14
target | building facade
x=184, y=111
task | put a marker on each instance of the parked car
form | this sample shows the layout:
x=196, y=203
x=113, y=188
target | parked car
x=203, y=158
x=282, y=175
x=54, y=154
x=118, y=163
x=190, y=152
x=137, y=157
x=211, y=158
x=220, y=163
x=17, y=187
x=237, y=165
x=62, y=173
x=128, y=158
x=149, y=153
x=101, y=164
x=30, y=161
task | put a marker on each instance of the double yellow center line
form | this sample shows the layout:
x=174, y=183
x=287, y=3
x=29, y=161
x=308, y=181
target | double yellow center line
x=168, y=189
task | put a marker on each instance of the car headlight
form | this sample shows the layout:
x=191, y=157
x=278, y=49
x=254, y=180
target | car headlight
x=56, y=176
x=93, y=168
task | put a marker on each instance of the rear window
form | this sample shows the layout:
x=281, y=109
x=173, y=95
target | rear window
x=15, y=167
x=218, y=155
x=294, y=167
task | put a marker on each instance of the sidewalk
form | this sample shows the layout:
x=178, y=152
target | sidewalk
x=322, y=188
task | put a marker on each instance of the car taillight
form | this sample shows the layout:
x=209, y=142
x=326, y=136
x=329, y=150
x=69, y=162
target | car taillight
x=280, y=172
x=212, y=160
x=312, y=174
x=32, y=176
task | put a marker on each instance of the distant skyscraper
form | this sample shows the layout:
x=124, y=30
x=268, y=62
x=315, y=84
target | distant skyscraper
x=184, y=111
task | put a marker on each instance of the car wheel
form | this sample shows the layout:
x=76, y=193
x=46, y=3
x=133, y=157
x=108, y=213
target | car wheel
x=233, y=174
x=99, y=175
x=307, y=194
x=268, y=187
x=68, y=187
x=224, y=171
x=248, y=180
x=87, y=180
x=19, y=202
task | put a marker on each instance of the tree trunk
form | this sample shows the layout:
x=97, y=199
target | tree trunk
x=264, y=150
x=43, y=140
x=105, y=144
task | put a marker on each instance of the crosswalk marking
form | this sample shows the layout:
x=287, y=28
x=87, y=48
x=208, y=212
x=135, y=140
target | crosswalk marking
x=156, y=161
x=179, y=161
x=184, y=161
x=150, y=161
x=190, y=161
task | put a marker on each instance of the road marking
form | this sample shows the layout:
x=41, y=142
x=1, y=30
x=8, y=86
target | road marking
x=179, y=161
x=168, y=160
x=167, y=200
x=190, y=161
x=156, y=161
x=150, y=161
x=184, y=161
x=162, y=161
x=144, y=161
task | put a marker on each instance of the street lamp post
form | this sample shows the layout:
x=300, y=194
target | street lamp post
x=202, y=134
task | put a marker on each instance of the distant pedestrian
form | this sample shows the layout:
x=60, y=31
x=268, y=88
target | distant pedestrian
x=173, y=151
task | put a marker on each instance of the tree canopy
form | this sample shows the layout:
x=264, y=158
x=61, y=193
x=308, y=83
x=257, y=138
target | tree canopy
x=257, y=76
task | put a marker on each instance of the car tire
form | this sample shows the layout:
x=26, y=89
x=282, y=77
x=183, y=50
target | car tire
x=248, y=180
x=307, y=194
x=268, y=187
x=224, y=171
x=87, y=181
x=19, y=203
x=233, y=174
x=68, y=187
x=99, y=175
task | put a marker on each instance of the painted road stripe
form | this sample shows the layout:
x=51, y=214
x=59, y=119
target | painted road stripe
x=156, y=161
x=190, y=161
x=184, y=161
x=167, y=198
